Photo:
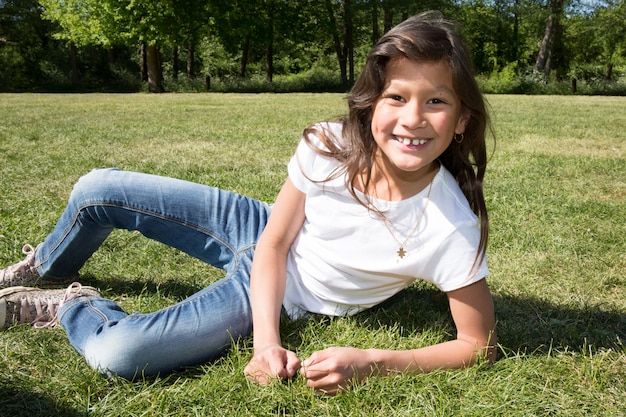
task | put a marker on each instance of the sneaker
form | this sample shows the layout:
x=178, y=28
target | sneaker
x=24, y=274
x=36, y=306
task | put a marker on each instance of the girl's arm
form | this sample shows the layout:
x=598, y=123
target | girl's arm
x=335, y=368
x=267, y=287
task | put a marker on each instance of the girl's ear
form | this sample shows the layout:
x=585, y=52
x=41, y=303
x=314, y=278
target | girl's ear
x=461, y=125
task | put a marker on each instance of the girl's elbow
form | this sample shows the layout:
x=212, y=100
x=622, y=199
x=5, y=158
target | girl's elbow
x=487, y=348
x=482, y=350
x=491, y=347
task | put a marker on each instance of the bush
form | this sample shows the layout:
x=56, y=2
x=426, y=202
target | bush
x=316, y=80
x=595, y=73
x=588, y=81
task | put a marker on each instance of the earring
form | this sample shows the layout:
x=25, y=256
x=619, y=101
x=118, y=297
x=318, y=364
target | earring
x=456, y=138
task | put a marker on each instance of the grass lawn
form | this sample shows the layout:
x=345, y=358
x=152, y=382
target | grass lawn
x=556, y=190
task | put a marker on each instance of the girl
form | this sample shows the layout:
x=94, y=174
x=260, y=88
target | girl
x=388, y=195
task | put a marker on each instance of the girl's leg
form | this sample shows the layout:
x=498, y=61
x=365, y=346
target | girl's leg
x=191, y=332
x=216, y=226
x=205, y=222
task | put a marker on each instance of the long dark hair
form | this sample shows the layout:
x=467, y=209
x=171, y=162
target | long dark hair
x=424, y=38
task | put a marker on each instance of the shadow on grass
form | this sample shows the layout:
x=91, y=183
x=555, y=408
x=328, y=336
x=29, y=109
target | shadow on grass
x=526, y=325
x=531, y=325
x=19, y=401
x=118, y=286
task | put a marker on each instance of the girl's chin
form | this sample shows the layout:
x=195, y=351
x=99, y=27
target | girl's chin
x=411, y=167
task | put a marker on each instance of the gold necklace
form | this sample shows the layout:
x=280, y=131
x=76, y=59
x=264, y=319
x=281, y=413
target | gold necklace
x=401, y=251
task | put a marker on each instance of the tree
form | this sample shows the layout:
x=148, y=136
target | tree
x=496, y=32
x=126, y=22
x=611, y=30
x=274, y=37
x=257, y=29
x=345, y=53
x=237, y=24
x=190, y=22
x=375, y=27
x=25, y=43
x=485, y=30
x=543, y=64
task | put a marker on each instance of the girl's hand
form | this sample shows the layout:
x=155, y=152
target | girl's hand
x=273, y=361
x=335, y=369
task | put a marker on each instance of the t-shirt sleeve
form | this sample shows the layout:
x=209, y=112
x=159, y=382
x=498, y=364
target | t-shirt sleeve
x=302, y=161
x=307, y=166
x=453, y=262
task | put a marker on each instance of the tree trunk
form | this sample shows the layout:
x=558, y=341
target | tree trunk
x=269, y=56
x=548, y=65
x=387, y=17
x=155, y=70
x=349, y=38
x=244, y=57
x=609, y=72
x=515, y=50
x=175, y=62
x=75, y=76
x=546, y=51
x=269, y=62
x=143, y=64
x=191, y=60
x=112, y=56
x=337, y=43
x=375, y=30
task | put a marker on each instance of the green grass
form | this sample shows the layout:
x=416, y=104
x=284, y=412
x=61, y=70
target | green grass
x=556, y=192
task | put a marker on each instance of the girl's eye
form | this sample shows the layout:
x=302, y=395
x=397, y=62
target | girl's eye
x=396, y=98
x=436, y=101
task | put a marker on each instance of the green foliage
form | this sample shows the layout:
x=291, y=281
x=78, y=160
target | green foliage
x=84, y=22
x=217, y=61
x=234, y=39
x=315, y=80
x=589, y=80
x=25, y=45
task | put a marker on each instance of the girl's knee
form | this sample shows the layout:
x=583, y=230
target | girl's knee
x=116, y=358
x=93, y=186
x=94, y=178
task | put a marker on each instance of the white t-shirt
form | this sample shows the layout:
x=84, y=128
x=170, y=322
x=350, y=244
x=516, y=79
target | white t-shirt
x=345, y=260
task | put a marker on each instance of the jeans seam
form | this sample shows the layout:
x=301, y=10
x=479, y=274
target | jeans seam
x=138, y=210
x=87, y=301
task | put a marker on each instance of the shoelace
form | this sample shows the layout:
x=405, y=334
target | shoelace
x=39, y=320
x=22, y=266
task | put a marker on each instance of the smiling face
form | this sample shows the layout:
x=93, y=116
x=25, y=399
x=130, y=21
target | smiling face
x=415, y=119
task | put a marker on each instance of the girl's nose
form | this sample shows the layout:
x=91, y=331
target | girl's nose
x=412, y=117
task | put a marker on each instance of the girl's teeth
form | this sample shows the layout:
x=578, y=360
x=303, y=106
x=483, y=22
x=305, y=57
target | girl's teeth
x=407, y=141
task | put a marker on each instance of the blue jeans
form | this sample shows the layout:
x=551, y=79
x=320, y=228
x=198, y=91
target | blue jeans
x=216, y=226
